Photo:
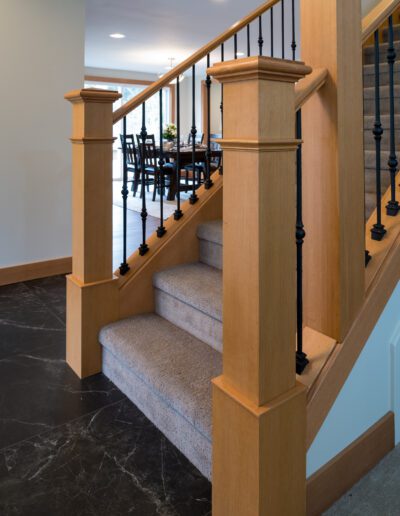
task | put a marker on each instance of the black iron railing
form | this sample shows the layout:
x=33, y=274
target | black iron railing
x=385, y=108
x=183, y=177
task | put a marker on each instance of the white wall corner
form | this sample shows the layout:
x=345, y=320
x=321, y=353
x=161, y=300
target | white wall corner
x=395, y=380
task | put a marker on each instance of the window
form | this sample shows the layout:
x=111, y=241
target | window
x=134, y=119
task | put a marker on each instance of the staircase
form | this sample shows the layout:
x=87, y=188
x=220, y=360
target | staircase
x=164, y=362
x=369, y=116
x=158, y=319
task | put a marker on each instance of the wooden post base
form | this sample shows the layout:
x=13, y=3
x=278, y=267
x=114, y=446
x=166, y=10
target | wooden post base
x=89, y=307
x=259, y=462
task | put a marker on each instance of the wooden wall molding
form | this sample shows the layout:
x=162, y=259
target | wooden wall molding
x=35, y=270
x=334, y=479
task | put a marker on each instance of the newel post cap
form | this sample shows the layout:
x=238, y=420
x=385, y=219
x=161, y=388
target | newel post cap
x=261, y=68
x=94, y=95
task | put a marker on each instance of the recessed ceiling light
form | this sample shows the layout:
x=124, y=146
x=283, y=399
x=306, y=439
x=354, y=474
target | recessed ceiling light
x=117, y=35
x=240, y=54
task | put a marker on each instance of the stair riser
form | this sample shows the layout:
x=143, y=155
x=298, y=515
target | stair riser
x=369, y=105
x=396, y=33
x=370, y=181
x=369, y=79
x=370, y=160
x=211, y=253
x=200, y=325
x=195, y=446
x=369, y=53
x=369, y=140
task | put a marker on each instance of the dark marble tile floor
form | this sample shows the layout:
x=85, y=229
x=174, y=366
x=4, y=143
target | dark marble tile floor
x=72, y=447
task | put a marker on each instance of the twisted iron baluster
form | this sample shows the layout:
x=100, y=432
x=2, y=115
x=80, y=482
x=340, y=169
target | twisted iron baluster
x=301, y=357
x=378, y=230
x=260, y=36
x=124, y=267
x=178, y=214
x=294, y=44
x=208, y=182
x=143, y=246
x=161, y=228
x=193, y=198
x=392, y=207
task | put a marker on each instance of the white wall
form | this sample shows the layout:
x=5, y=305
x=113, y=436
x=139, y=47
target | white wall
x=42, y=57
x=370, y=392
x=367, y=5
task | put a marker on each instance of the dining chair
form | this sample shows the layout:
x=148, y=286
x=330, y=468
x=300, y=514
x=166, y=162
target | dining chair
x=199, y=139
x=132, y=160
x=149, y=157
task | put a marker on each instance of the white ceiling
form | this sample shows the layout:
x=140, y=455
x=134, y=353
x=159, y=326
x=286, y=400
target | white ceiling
x=155, y=30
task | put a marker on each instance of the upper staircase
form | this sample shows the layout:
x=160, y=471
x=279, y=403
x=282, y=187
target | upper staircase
x=369, y=114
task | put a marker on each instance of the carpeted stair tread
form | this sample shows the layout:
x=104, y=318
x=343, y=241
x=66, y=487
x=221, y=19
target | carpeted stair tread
x=197, y=285
x=173, y=364
x=211, y=231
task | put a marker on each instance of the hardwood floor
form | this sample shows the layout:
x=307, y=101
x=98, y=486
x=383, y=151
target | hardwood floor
x=134, y=232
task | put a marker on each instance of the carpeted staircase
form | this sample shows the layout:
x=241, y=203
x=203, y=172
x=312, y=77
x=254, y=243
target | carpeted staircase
x=164, y=362
x=369, y=116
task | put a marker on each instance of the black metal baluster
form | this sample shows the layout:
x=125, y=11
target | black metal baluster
x=193, y=198
x=161, y=228
x=392, y=207
x=260, y=36
x=222, y=108
x=178, y=212
x=301, y=357
x=208, y=181
x=235, y=45
x=294, y=44
x=378, y=230
x=272, y=31
x=283, y=28
x=124, y=267
x=367, y=257
x=248, y=41
x=143, y=134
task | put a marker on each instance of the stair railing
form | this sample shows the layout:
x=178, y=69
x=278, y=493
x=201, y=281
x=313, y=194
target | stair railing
x=259, y=33
x=381, y=54
x=269, y=28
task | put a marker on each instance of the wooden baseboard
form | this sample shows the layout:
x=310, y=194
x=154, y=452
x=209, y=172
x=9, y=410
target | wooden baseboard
x=35, y=270
x=334, y=479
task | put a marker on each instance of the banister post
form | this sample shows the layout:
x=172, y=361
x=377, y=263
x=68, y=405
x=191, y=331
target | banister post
x=259, y=411
x=333, y=165
x=91, y=288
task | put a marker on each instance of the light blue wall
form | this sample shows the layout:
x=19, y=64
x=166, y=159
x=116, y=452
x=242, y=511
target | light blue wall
x=371, y=390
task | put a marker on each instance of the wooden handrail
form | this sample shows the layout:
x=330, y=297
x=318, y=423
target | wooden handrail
x=309, y=85
x=374, y=19
x=190, y=61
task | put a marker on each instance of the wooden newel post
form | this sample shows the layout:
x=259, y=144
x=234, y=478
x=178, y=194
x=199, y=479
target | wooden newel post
x=259, y=411
x=333, y=165
x=91, y=288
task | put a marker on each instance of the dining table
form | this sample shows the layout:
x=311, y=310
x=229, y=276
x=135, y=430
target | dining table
x=185, y=159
